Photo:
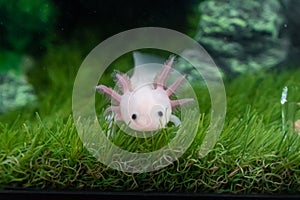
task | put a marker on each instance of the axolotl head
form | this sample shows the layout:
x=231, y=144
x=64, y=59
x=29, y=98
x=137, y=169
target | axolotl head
x=146, y=109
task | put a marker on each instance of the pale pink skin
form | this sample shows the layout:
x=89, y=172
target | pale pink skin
x=145, y=107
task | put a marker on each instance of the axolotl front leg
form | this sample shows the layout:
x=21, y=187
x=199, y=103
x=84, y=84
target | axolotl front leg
x=146, y=107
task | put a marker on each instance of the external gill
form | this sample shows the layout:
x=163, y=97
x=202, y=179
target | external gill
x=160, y=81
x=123, y=82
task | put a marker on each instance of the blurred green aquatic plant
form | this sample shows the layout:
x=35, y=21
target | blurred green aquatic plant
x=25, y=27
x=25, y=24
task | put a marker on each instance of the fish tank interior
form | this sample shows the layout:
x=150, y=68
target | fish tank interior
x=230, y=119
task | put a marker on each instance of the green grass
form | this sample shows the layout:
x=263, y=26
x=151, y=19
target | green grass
x=40, y=148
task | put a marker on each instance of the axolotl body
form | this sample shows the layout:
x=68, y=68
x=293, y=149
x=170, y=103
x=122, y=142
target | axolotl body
x=145, y=104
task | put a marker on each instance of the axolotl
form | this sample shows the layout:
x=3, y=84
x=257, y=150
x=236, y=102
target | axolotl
x=145, y=103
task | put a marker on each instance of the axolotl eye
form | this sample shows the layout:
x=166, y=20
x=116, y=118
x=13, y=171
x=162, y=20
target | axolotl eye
x=160, y=113
x=133, y=116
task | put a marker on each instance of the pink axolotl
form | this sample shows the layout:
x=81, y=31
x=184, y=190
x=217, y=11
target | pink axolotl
x=145, y=103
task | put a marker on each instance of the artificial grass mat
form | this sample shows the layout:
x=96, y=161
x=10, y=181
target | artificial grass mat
x=40, y=148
